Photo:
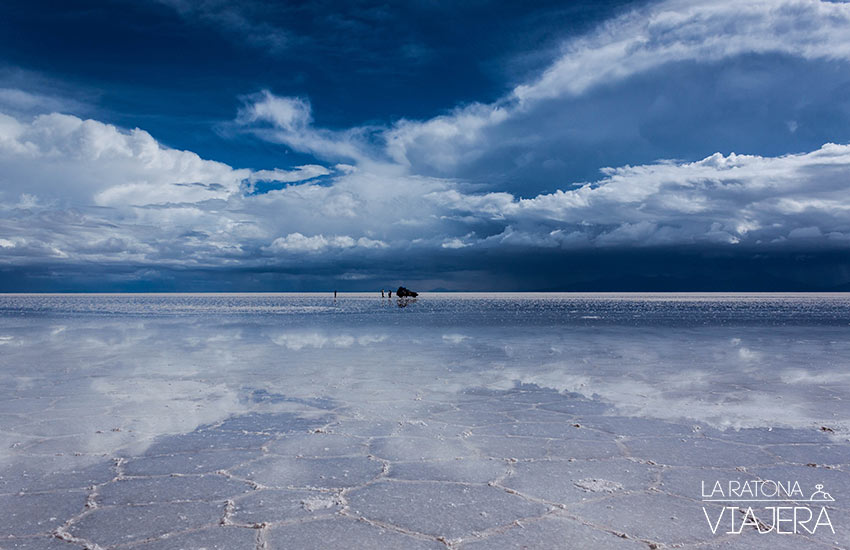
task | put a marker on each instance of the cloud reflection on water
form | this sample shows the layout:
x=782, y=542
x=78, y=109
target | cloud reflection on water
x=93, y=384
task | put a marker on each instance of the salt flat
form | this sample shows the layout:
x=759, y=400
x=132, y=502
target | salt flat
x=458, y=421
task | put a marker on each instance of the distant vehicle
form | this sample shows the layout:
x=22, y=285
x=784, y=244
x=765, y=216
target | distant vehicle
x=405, y=293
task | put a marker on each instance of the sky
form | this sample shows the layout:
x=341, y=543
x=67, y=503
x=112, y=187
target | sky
x=172, y=145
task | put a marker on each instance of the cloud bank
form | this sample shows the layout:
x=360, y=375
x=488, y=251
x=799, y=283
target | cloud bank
x=76, y=189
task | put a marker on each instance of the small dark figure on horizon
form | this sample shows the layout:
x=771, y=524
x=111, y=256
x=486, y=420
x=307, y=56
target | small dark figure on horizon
x=405, y=293
x=391, y=293
x=334, y=294
x=382, y=293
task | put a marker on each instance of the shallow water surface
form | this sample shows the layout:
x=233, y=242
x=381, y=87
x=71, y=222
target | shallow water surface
x=457, y=420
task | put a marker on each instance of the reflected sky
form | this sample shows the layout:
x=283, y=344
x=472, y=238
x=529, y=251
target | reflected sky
x=93, y=374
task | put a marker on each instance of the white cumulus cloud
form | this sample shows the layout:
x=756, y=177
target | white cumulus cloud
x=637, y=42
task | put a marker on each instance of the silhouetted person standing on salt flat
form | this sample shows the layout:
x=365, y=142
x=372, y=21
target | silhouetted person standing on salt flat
x=382, y=293
x=334, y=294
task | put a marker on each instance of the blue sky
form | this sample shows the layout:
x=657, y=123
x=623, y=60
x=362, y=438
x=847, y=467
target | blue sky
x=176, y=145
